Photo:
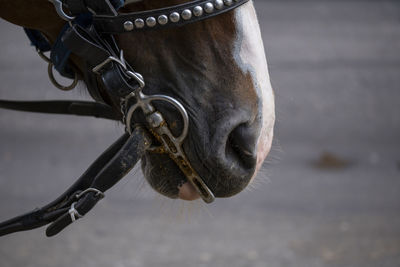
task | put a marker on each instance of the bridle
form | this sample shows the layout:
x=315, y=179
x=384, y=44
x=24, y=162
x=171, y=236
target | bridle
x=88, y=34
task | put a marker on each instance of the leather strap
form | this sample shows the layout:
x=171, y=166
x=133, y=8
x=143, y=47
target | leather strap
x=83, y=195
x=38, y=40
x=79, y=108
x=115, y=170
x=115, y=24
x=104, y=7
x=59, y=56
x=53, y=210
x=83, y=44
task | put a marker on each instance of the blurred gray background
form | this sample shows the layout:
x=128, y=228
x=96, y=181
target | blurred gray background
x=328, y=195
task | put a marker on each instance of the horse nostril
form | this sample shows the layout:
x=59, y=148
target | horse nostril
x=241, y=146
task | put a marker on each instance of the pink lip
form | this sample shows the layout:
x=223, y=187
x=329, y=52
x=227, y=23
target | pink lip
x=188, y=192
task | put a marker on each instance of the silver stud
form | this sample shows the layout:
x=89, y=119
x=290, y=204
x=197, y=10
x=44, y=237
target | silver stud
x=128, y=25
x=162, y=19
x=209, y=8
x=228, y=2
x=198, y=11
x=139, y=23
x=151, y=22
x=174, y=17
x=219, y=4
x=186, y=14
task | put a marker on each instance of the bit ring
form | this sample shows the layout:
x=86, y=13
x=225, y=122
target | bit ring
x=57, y=84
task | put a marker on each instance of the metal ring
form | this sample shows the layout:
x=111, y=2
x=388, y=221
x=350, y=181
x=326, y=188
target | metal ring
x=57, y=84
x=179, y=107
x=145, y=100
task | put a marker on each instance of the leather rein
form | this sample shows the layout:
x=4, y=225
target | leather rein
x=88, y=34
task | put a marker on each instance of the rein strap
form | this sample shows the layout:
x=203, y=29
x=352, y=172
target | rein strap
x=84, y=194
x=79, y=108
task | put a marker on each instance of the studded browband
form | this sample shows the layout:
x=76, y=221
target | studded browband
x=178, y=15
x=107, y=20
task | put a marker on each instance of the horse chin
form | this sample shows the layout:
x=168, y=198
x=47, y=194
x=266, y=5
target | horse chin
x=168, y=181
x=165, y=177
x=162, y=174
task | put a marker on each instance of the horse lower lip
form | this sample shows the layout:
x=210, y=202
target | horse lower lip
x=187, y=192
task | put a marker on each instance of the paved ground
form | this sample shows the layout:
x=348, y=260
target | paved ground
x=335, y=66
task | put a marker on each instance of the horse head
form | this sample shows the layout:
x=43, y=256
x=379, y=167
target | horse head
x=217, y=69
x=202, y=90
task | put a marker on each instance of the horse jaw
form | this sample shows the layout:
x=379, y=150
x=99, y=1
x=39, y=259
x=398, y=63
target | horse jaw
x=250, y=57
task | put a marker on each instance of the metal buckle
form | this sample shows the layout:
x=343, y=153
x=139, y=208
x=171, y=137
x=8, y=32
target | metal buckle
x=73, y=212
x=121, y=61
